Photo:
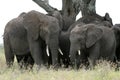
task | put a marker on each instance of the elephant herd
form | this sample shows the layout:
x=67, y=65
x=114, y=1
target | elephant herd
x=36, y=38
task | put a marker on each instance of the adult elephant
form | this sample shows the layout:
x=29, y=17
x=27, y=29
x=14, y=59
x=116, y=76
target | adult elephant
x=92, y=42
x=15, y=42
x=116, y=29
x=96, y=19
x=42, y=32
x=64, y=36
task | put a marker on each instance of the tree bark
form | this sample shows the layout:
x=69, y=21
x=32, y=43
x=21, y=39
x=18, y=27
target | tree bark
x=88, y=7
x=45, y=5
x=70, y=9
x=69, y=12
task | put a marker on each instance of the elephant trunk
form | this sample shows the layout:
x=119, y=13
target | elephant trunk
x=72, y=56
x=54, y=46
x=74, y=52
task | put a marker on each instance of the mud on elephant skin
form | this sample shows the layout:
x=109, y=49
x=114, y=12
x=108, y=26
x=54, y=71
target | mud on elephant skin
x=43, y=32
x=92, y=42
x=15, y=42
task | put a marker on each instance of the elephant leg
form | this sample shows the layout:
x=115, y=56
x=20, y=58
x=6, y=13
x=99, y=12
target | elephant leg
x=30, y=61
x=91, y=63
x=118, y=54
x=82, y=59
x=50, y=60
x=44, y=55
x=25, y=61
x=65, y=47
x=20, y=60
x=94, y=54
x=65, y=60
x=36, y=51
x=8, y=52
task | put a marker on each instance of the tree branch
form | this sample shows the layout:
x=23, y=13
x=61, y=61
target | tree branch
x=87, y=7
x=46, y=1
x=76, y=5
x=45, y=5
x=91, y=6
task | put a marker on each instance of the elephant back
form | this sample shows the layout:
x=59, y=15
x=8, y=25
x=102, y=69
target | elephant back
x=37, y=23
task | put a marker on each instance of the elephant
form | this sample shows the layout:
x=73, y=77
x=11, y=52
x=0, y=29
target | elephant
x=116, y=29
x=16, y=43
x=96, y=19
x=42, y=33
x=58, y=16
x=64, y=35
x=91, y=42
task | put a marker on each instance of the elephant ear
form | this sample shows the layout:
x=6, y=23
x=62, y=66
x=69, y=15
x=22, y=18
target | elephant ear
x=32, y=24
x=33, y=31
x=93, y=35
x=108, y=18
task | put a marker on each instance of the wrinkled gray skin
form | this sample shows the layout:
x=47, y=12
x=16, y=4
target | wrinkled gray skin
x=95, y=42
x=15, y=42
x=42, y=30
x=64, y=36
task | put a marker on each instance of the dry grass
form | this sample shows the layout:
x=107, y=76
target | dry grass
x=102, y=71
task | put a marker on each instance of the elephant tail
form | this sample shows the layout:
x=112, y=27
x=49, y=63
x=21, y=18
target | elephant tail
x=8, y=50
x=6, y=41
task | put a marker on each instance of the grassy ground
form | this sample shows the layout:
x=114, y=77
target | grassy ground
x=101, y=72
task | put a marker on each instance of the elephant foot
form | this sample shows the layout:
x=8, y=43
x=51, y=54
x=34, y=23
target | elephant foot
x=64, y=66
x=9, y=64
x=36, y=68
x=39, y=67
x=55, y=67
x=117, y=68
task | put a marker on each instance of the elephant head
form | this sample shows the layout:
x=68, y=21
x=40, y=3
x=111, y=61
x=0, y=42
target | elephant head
x=32, y=23
x=58, y=16
x=43, y=32
x=83, y=37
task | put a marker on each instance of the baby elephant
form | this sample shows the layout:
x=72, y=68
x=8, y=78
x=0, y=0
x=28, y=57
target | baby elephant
x=92, y=42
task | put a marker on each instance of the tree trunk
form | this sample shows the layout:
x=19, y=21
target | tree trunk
x=88, y=7
x=45, y=5
x=70, y=9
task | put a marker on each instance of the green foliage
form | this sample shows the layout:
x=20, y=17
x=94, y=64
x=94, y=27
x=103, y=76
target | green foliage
x=102, y=71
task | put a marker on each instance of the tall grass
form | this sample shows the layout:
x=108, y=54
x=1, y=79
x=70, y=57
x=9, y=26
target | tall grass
x=102, y=71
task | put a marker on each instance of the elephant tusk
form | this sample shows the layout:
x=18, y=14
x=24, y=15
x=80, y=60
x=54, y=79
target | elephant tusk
x=79, y=52
x=47, y=50
x=60, y=51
